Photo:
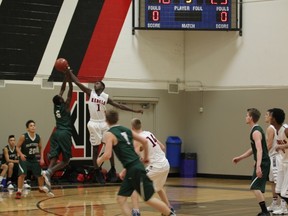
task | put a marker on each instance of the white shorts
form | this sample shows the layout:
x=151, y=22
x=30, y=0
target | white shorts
x=96, y=130
x=282, y=180
x=158, y=175
x=275, y=163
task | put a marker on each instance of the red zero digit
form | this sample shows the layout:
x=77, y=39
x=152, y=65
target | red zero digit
x=155, y=16
x=224, y=16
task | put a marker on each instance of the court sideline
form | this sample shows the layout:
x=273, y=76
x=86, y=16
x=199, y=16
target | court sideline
x=189, y=196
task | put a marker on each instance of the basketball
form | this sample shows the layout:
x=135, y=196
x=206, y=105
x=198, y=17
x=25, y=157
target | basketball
x=61, y=65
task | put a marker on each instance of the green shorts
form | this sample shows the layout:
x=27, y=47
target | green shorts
x=60, y=142
x=30, y=164
x=260, y=183
x=136, y=179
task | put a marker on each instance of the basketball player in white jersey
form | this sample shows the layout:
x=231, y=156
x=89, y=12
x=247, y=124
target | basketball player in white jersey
x=275, y=159
x=277, y=119
x=97, y=125
x=158, y=167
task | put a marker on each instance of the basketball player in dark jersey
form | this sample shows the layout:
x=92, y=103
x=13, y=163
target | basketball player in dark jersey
x=120, y=139
x=262, y=161
x=60, y=141
x=27, y=147
x=10, y=158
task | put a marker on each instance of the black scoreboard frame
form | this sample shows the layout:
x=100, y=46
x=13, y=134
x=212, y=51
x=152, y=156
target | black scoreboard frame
x=141, y=19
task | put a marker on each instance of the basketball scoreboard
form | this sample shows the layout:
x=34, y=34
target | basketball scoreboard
x=190, y=15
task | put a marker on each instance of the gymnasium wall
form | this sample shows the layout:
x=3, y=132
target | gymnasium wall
x=223, y=60
x=235, y=73
x=219, y=71
x=220, y=132
x=217, y=134
x=23, y=102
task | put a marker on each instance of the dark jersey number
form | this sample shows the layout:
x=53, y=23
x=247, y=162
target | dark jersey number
x=152, y=139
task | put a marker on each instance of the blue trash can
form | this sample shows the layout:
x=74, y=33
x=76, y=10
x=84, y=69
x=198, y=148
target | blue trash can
x=173, y=151
x=188, y=165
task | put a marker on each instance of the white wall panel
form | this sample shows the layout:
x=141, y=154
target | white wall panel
x=146, y=57
x=258, y=59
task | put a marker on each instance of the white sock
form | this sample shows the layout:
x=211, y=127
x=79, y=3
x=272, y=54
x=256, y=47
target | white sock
x=135, y=210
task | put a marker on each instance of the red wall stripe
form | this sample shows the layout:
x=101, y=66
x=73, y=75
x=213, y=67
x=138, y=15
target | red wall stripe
x=103, y=41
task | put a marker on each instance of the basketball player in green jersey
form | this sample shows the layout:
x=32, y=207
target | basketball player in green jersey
x=262, y=160
x=60, y=141
x=27, y=147
x=10, y=158
x=120, y=139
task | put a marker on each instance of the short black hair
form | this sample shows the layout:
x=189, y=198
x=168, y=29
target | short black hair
x=57, y=99
x=279, y=115
x=11, y=136
x=29, y=122
x=103, y=84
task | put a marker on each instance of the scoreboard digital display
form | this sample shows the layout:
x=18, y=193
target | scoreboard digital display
x=189, y=14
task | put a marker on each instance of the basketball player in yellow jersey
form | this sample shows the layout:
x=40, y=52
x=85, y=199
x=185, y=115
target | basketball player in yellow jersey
x=97, y=124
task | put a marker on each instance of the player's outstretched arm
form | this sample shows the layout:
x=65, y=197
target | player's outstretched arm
x=122, y=107
x=70, y=91
x=79, y=84
x=63, y=86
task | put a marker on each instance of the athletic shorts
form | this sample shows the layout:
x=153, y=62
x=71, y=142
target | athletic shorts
x=136, y=179
x=158, y=175
x=96, y=130
x=260, y=183
x=282, y=180
x=60, y=142
x=275, y=160
x=30, y=164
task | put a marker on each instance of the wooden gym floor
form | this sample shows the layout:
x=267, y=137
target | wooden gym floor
x=189, y=196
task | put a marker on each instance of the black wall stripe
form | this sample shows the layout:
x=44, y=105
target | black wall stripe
x=78, y=135
x=79, y=35
x=26, y=26
x=88, y=147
